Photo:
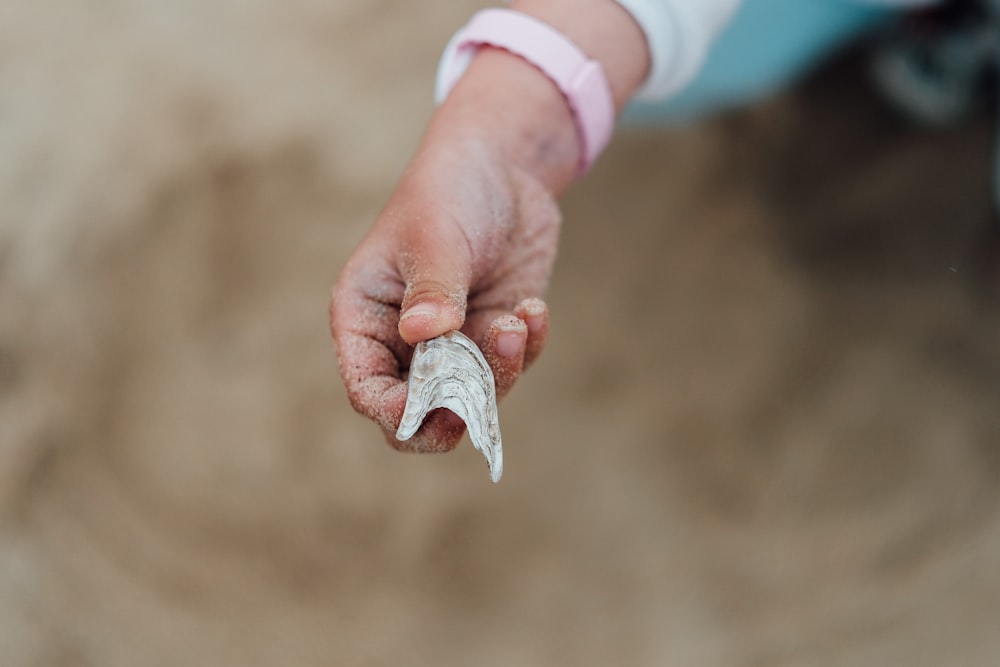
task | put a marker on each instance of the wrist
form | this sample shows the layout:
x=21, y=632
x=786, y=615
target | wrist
x=531, y=120
x=605, y=32
x=505, y=104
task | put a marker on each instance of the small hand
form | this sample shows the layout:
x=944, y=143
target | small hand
x=465, y=243
x=468, y=238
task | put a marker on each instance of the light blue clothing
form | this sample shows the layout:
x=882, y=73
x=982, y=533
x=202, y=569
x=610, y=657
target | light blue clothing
x=768, y=44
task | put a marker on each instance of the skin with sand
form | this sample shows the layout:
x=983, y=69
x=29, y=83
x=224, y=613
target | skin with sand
x=468, y=238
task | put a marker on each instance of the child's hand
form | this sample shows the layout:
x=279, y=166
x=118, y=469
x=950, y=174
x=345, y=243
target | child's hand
x=468, y=238
x=465, y=243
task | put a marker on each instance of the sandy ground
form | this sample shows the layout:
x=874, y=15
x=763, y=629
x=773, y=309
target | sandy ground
x=765, y=431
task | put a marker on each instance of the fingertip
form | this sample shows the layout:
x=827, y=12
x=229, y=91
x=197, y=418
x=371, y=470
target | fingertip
x=506, y=335
x=533, y=308
x=422, y=321
x=441, y=432
x=535, y=314
x=426, y=320
x=419, y=322
x=381, y=399
x=504, y=348
x=510, y=343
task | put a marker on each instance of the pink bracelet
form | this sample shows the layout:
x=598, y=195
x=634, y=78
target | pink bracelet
x=581, y=80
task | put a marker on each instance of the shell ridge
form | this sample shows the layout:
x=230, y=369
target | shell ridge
x=451, y=372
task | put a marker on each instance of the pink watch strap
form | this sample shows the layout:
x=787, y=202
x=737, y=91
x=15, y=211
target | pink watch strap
x=580, y=79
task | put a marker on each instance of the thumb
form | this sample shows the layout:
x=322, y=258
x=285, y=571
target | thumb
x=437, y=273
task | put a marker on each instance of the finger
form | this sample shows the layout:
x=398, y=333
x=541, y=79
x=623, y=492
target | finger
x=370, y=354
x=372, y=357
x=437, y=269
x=533, y=311
x=440, y=432
x=371, y=375
x=535, y=314
x=479, y=320
x=503, y=346
x=365, y=302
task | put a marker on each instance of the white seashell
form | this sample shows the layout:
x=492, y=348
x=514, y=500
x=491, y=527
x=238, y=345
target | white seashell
x=450, y=372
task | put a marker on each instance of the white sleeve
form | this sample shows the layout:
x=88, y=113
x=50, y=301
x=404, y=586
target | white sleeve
x=679, y=34
x=902, y=3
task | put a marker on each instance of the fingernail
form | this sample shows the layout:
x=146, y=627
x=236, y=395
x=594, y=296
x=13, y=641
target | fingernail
x=534, y=322
x=533, y=306
x=509, y=343
x=533, y=311
x=426, y=309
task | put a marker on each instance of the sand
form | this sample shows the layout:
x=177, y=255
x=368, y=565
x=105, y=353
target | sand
x=764, y=431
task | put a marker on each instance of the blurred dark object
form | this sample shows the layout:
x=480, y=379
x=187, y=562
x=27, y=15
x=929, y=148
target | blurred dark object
x=938, y=67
